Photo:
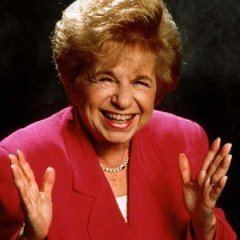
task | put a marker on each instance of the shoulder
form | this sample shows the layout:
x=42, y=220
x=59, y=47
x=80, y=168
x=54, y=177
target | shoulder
x=171, y=121
x=168, y=135
x=41, y=132
x=170, y=125
x=42, y=144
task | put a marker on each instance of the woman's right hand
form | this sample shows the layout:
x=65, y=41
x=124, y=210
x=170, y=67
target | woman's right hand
x=36, y=203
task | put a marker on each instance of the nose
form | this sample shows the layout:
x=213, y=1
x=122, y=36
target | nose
x=123, y=96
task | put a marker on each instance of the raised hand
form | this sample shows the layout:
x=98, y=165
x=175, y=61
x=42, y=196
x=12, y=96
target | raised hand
x=36, y=203
x=202, y=193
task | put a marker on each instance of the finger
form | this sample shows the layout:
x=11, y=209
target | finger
x=26, y=167
x=13, y=159
x=218, y=188
x=48, y=181
x=201, y=178
x=15, y=162
x=27, y=202
x=184, y=169
x=218, y=159
x=226, y=149
x=21, y=157
x=222, y=169
x=24, y=195
x=207, y=188
x=16, y=176
x=211, y=154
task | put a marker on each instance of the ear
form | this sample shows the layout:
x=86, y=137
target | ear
x=158, y=97
x=70, y=89
x=158, y=100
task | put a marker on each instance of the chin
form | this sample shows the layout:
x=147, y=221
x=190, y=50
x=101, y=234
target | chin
x=117, y=138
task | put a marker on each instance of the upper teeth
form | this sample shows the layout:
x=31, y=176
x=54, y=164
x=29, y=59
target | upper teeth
x=119, y=117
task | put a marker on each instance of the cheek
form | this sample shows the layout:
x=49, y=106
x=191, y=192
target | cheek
x=93, y=97
x=147, y=100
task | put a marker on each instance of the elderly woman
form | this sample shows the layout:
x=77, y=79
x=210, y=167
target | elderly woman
x=123, y=171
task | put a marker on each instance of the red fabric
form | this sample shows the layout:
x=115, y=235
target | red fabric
x=83, y=204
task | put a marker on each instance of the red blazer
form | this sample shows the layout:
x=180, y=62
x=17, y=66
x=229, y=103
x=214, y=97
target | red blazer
x=84, y=206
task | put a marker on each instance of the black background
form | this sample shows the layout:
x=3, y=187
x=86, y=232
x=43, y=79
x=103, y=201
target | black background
x=209, y=91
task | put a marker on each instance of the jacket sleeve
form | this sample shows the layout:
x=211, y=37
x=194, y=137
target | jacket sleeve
x=11, y=217
x=223, y=230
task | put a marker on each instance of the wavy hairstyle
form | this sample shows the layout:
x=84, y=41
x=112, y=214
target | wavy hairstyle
x=87, y=25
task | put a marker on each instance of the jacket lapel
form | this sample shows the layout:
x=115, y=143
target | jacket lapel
x=105, y=220
x=146, y=220
x=86, y=170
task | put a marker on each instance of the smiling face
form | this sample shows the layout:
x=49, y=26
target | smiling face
x=118, y=98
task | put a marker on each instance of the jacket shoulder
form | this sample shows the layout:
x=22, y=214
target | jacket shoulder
x=163, y=122
x=41, y=132
x=169, y=135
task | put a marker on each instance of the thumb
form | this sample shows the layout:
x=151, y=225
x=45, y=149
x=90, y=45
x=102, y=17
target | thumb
x=184, y=168
x=48, y=181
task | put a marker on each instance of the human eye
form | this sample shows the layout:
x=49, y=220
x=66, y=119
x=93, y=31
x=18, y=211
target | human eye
x=142, y=83
x=104, y=79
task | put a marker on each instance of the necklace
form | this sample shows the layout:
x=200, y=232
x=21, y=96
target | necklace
x=118, y=168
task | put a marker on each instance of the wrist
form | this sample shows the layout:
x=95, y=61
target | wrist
x=204, y=229
x=25, y=234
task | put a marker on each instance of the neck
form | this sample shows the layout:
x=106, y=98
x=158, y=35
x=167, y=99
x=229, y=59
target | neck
x=111, y=155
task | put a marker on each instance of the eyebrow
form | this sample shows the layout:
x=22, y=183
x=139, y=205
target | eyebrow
x=111, y=73
x=104, y=71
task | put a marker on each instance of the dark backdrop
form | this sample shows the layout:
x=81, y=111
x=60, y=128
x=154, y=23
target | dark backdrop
x=208, y=93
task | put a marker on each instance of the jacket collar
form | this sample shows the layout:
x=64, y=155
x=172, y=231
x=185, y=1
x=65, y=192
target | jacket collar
x=86, y=169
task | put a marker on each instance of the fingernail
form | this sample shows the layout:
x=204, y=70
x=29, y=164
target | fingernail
x=229, y=145
x=21, y=156
x=50, y=169
x=11, y=156
x=217, y=140
x=182, y=155
x=13, y=166
x=229, y=157
x=208, y=180
x=224, y=178
x=19, y=152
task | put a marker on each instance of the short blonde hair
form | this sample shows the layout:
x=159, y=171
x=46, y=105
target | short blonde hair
x=87, y=24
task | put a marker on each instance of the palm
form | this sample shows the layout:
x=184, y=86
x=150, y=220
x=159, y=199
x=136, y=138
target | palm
x=36, y=203
x=194, y=199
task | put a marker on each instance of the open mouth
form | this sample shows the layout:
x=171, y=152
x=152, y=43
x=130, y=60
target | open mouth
x=118, y=120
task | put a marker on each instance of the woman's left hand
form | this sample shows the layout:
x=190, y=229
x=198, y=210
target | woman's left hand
x=200, y=195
